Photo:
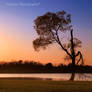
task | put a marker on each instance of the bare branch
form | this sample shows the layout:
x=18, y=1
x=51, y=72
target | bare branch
x=59, y=42
x=80, y=58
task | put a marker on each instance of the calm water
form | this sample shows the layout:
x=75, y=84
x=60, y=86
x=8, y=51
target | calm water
x=65, y=76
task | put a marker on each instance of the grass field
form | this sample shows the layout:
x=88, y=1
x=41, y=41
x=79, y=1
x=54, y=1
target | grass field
x=29, y=85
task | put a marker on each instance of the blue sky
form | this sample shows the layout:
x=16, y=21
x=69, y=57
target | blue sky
x=17, y=21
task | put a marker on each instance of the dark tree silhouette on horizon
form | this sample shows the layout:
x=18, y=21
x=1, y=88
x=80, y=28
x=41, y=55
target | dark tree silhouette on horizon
x=49, y=27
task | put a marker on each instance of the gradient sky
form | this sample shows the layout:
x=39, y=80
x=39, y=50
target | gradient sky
x=17, y=32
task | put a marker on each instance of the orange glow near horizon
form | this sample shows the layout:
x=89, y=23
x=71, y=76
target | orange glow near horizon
x=15, y=47
x=12, y=49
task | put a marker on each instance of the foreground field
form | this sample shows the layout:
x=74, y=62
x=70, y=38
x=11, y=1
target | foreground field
x=29, y=85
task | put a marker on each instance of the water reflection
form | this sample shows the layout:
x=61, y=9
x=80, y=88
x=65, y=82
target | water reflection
x=83, y=77
x=65, y=76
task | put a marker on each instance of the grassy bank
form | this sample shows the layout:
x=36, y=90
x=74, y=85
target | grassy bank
x=29, y=85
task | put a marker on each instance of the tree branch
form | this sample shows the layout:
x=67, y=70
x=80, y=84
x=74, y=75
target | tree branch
x=81, y=57
x=58, y=41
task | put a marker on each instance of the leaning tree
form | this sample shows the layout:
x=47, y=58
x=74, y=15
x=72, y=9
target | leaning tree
x=49, y=28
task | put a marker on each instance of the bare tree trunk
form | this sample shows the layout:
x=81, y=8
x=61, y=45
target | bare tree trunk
x=73, y=69
x=73, y=61
x=72, y=48
x=73, y=56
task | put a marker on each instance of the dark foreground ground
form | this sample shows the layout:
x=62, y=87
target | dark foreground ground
x=29, y=85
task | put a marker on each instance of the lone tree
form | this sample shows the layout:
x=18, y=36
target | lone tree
x=49, y=27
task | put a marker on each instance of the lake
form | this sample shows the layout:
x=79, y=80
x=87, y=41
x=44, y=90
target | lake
x=52, y=76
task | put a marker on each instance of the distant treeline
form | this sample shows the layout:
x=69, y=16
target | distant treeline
x=35, y=67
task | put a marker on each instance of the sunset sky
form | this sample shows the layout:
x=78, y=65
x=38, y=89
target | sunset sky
x=17, y=31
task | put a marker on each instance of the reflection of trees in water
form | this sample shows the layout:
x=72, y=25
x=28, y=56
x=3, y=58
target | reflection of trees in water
x=72, y=76
x=82, y=76
x=86, y=77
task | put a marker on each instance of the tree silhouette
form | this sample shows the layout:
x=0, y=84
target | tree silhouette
x=49, y=27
